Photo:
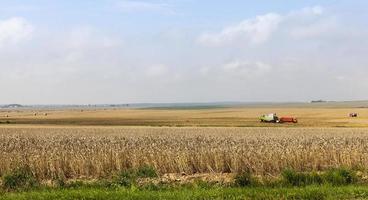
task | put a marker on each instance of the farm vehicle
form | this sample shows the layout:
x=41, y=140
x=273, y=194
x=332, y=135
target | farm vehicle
x=273, y=118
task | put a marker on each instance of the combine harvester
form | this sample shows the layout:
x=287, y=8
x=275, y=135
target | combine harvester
x=273, y=118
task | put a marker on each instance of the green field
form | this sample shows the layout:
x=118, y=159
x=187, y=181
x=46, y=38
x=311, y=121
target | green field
x=309, y=192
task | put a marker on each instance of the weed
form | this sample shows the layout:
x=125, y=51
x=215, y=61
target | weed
x=126, y=178
x=146, y=171
x=340, y=176
x=20, y=178
x=294, y=178
x=244, y=179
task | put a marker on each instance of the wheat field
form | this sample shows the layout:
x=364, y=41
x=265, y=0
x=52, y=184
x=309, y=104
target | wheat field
x=95, y=152
x=219, y=117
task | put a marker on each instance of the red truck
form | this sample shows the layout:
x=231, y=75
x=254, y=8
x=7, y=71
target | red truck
x=288, y=120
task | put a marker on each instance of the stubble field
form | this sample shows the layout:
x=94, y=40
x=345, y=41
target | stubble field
x=314, y=116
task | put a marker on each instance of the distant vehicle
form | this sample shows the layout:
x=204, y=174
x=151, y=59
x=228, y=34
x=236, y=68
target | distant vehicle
x=353, y=115
x=318, y=101
x=273, y=118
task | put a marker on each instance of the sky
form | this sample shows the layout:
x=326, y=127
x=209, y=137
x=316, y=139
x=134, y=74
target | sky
x=167, y=51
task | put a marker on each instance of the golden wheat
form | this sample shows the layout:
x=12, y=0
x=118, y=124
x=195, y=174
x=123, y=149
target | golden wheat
x=93, y=152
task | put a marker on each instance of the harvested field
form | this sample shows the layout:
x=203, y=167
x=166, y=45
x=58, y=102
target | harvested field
x=95, y=152
x=211, y=117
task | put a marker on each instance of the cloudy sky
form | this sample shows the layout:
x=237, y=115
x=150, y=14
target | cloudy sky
x=130, y=51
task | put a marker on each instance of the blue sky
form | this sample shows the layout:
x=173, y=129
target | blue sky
x=163, y=14
x=128, y=51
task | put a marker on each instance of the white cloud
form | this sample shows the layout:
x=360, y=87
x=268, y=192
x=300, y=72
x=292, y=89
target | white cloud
x=254, y=31
x=81, y=44
x=14, y=30
x=315, y=29
x=60, y=56
x=341, y=78
x=315, y=10
x=244, y=70
x=142, y=6
x=156, y=70
x=87, y=37
x=262, y=28
x=247, y=69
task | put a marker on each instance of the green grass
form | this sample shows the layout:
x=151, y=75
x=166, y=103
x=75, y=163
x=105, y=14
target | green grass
x=336, y=176
x=309, y=192
x=339, y=183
